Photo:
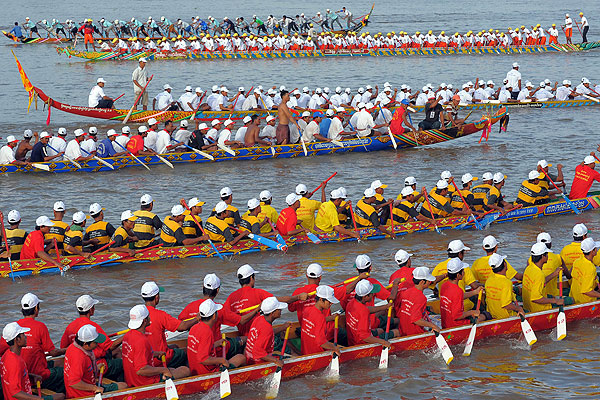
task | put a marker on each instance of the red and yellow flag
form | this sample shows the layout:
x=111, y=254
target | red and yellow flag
x=26, y=82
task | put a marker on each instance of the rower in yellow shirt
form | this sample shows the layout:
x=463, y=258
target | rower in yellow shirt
x=571, y=252
x=554, y=261
x=534, y=281
x=500, y=298
x=481, y=268
x=584, y=287
x=267, y=211
x=250, y=220
x=308, y=207
x=327, y=216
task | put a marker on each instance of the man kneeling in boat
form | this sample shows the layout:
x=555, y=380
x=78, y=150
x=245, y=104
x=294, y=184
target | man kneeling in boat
x=171, y=233
x=366, y=216
x=139, y=357
x=217, y=227
x=532, y=193
x=500, y=298
x=327, y=217
x=202, y=356
x=262, y=336
x=314, y=326
x=452, y=298
x=584, y=287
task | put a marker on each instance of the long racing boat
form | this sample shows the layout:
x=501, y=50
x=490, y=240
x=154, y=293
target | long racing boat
x=273, y=54
x=357, y=144
x=24, y=268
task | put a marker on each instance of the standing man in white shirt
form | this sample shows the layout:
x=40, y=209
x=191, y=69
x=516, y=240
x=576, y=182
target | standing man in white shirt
x=7, y=152
x=140, y=79
x=164, y=100
x=514, y=80
x=585, y=27
x=97, y=98
x=568, y=27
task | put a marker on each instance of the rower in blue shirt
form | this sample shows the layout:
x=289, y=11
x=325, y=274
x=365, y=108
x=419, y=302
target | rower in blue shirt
x=106, y=148
x=31, y=27
x=16, y=31
x=325, y=123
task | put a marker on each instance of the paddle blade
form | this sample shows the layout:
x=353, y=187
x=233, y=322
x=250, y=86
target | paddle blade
x=393, y=139
x=383, y=361
x=470, y=341
x=203, y=154
x=41, y=166
x=274, y=388
x=304, y=147
x=528, y=332
x=225, y=385
x=561, y=326
x=171, y=390
x=273, y=151
x=335, y=365
x=571, y=204
x=313, y=238
x=444, y=348
x=98, y=396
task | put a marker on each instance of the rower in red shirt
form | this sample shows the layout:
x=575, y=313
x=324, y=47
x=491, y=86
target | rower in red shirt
x=413, y=312
x=314, y=326
x=135, y=145
x=248, y=296
x=162, y=322
x=210, y=290
x=452, y=308
x=287, y=223
x=405, y=270
x=261, y=337
x=15, y=377
x=86, y=306
x=81, y=370
x=363, y=266
x=39, y=345
x=33, y=247
x=3, y=346
x=358, y=323
x=202, y=356
x=138, y=356
x=585, y=175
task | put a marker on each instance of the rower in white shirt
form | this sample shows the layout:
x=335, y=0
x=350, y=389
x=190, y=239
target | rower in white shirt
x=505, y=95
x=480, y=94
x=563, y=92
x=489, y=89
x=252, y=102
x=336, y=99
x=240, y=134
x=90, y=145
x=163, y=139
x=213, y=132
x=584, y=90
x=422, y=97
x=526, y=93
x=347, y=97
x=465, y=96
x=542, y=93
x=239, y=101
x=121, y=141
x=182, y=134
x=268, y=132
x=57, y=143
x=305, y=98
x=73, y=151
x=164, y=100
x=221, y=102
x=225, y=135
x=186, y=98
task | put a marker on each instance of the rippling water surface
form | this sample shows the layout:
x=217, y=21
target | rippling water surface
x=498, y=367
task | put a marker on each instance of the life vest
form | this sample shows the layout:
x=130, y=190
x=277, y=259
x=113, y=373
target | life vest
x=15, y=239
x=168, y=230
x=437, y=202
x=235, y=215
x=481, y=193
x=401, y=211
x=364, y=213
x=98, y=230
x=73, y=236
x=216, y=229
x=190, y=229
x=57, y=231
x=456, y=200
x=529, y=193
x=144, y=227
x=248, y=222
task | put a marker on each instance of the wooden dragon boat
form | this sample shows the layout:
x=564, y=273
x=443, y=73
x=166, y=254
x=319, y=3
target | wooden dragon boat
x=24, y=268
x=365, y=144
x=254, y=55
x=542, y=321
x=141, y=116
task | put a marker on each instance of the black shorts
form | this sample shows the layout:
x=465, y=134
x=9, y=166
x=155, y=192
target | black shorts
x=34, y=29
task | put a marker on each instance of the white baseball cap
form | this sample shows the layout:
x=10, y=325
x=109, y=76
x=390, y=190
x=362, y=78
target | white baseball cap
x=265, y=195
x=150, y=289
x=188, y=88
x=88, y=333
x=45, y=135
x=421, y=273
x=152, y=121
x=62, y=131
x=402, y=256
x=580, y=230
x=496, y=260
x=13, y=330
x=487, y=176
x=327, y=293
x=225, y=192
x=305, y=114
x=137, y=315
x=93, y=130
x=291, y=199
x=456, y=246
x=100, y=80
x=59, y=206
x=14, y=216
x=95, y=208
x=362, y=261
x=544, y=237
x=29, y=301
x=441, y=184
x=208, y=308
x=199, y=90
x=247, y=119
x=589, y=160
x=228, y=122
x=166, y=86
x=314, y=270
x=142, y=129
x=253, y=203
x=466, y=178
x=27, y=133
x=79, y=132
x=43, y=221
x=455, y=265
x=446, y=174
x=146, y=199
x=588, y=245
x=364, y=287
x=215, y=122
x=489, y=242
x=194, y=201
x=336, y=194
x=128, y=215
x=111, y=132
x=499, y=177
x=271, y=304
x=330, y=112
x=85, y=303
x=220, y=207
x=212, y=281
x=410, y=180
x=184, y=123
x=269, y=118
x=246, y=271
x=406, y=191
x=377, y=184
x=301, y=188
x=369, y=193
x=535, y=175
x=539, y=249
x=515, y=65
x=177, y=210
x=202, y=126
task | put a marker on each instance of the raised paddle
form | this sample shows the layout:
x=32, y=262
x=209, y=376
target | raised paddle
x=564, y=196
x=72, y=264
x=98, y=395
x=203, y=154
x=443, y=346
x=62, y=270
x=198, y=107
x=118, y=97
x=426, y=195
x=101, y=161
x=471, y=338
x=383, y=361
x=527, y=331
x=264, y=241
x=561, y=319
x=322, y=183
x=391, y=137
x=136, y=101
x=132, y=155
x=75, y=163
x=477, y=224
x=224, y=383
x=12, y=274
x=274, y=388
x=183, y=203
x=170, y=389
x=334, y=367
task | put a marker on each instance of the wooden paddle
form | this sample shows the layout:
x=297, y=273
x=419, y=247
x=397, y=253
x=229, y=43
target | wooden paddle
x=162, y=159
x=170, y=389
x=426, y=195
x=224, y=383
x=98, y=395
x=392, y=217
x=564, y=196
x=322, y=183
x=200, y=152
x=137, y=100
x=354, y=222
x=477, y=224
x=183, y=203
x=274, y=388
x=443, y=346
x=132, y=155
x=471, y=338
x=383, y=361
x=264, y=241
x=561, y=320
x=12, y=274
x=72, y=264
x=75, y=163
x=43, y=167
x=38, y=385
x=101, y=161
x=527, y=331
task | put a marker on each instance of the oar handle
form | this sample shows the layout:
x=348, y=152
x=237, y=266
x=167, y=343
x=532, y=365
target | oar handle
x=322, y=183
x=57, y=255
x=335, y=331
x=38, y=385
x=430, y=209
x=560, y=282
x=551, y=181
x=285, y=340
x=101, y=375
x=387, y=325
x=4, y=232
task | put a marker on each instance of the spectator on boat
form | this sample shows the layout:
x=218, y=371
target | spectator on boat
x=500, y=299
x=97, y=98
x=585, y=175
x=452, y=298
x=434, y=117
x=584, y=286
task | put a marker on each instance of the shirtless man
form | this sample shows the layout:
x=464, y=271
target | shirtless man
x=25, y=145
x=252, y=139
x=285, y=118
